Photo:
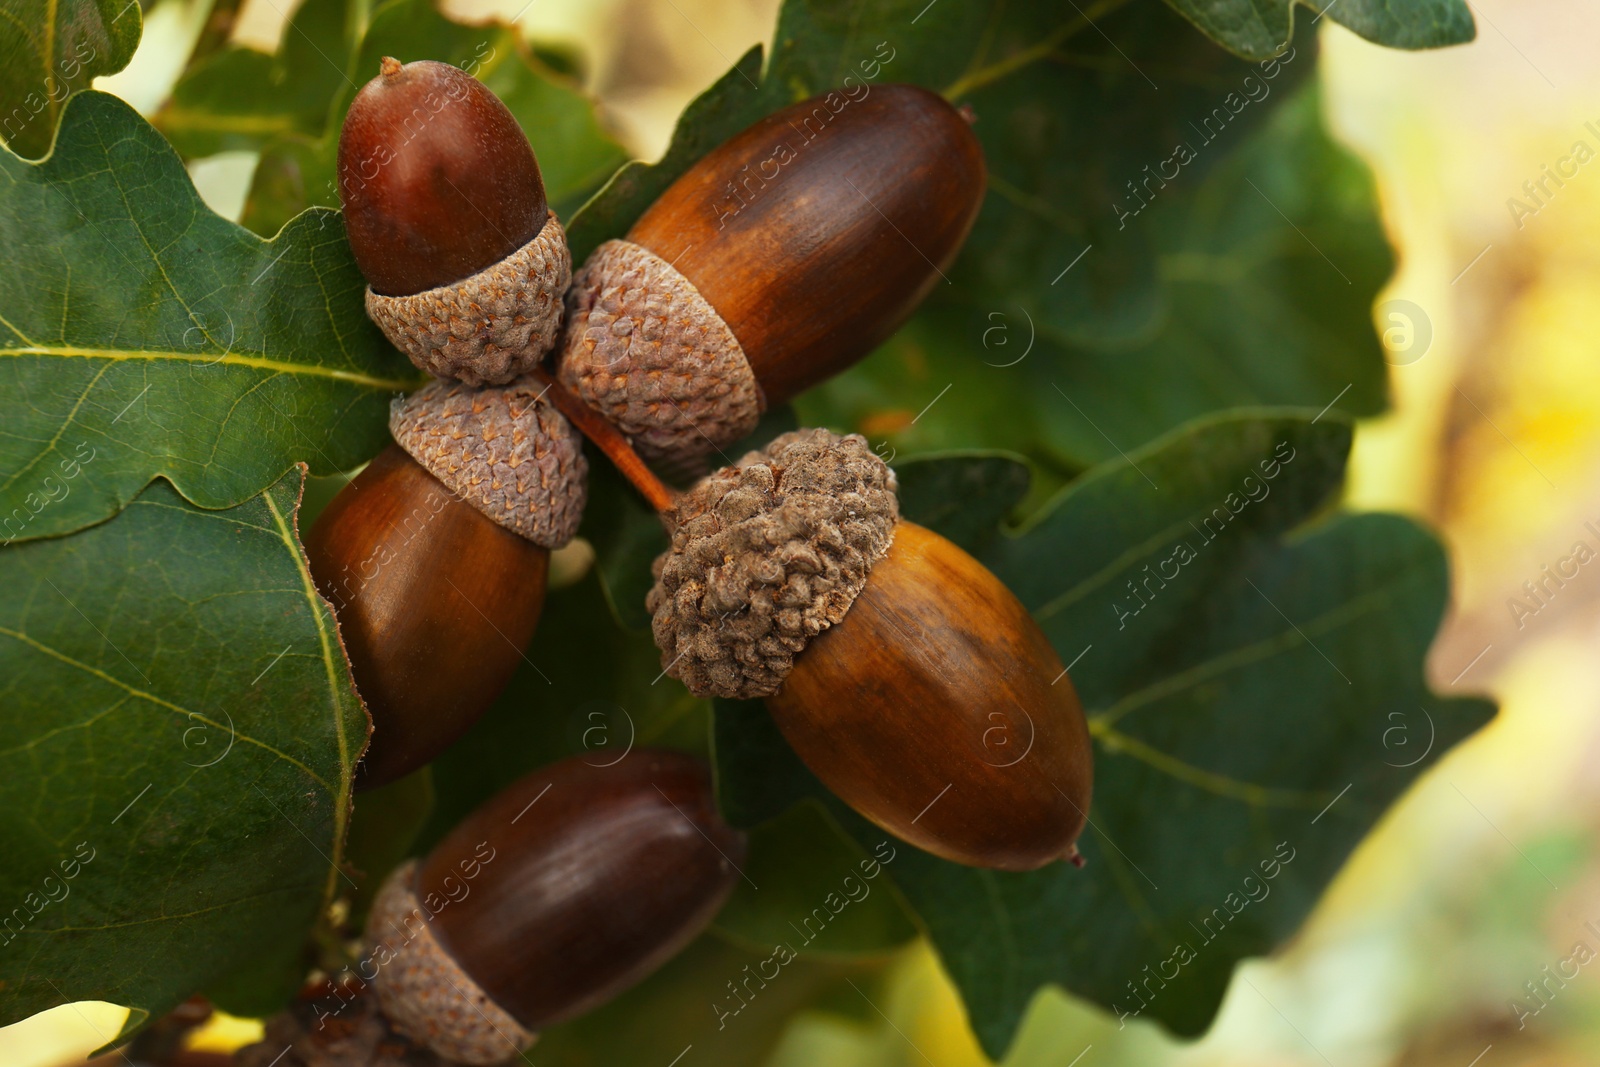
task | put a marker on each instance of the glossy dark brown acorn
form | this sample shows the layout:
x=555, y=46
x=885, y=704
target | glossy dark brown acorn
x=937, y=709
x=436, y=178
x=435, y=602
x=904, y=674
x=566, y=888
x=817, y=231
x=776, y=261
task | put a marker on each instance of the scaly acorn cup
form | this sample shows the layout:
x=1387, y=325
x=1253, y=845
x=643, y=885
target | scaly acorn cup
x=566, y=888
x=445, y=209
x=903, y=673
x=772, y=264
x=434, y=559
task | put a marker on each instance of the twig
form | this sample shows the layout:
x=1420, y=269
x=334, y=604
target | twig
x=608, y=439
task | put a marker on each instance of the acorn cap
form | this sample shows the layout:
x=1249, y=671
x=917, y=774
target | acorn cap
x=767, y=554
x=424, y=993
x=503, y=449
x=648, y=352
x=491, y=326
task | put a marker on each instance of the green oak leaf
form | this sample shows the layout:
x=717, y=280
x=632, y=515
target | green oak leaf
x=1246, y=661
x=1258, y=28
x=1081, y=129
x=138, y=325
x=1269, y=269
x=50, y=49
x=240, y=98
x=177, y=735
x=576, y=154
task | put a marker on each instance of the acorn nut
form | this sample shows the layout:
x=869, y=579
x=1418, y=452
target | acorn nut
x=434, y=559
x=901, y=671
x=776, y=261
x=566, y=888
x=446, y=214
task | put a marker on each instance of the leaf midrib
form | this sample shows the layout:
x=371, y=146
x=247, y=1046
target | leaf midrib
x=1233, y=659
x=232, y=359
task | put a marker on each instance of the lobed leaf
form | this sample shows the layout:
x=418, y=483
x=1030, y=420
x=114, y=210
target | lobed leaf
x=1245, y=677
x=179, y=735
x=1097, y=303
x=50, y=49
x=1267, y=273
x=137, y=324
x=1259, y=28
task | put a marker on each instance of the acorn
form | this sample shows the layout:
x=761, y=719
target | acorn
x=446, y=214
x=776, y=261
x=904, y=674
x=434, y=558
x=566, y=888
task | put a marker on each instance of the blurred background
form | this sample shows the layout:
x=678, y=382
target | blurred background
x=1466, y=930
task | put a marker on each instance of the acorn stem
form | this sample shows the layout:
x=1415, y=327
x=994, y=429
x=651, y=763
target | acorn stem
x=608, y=439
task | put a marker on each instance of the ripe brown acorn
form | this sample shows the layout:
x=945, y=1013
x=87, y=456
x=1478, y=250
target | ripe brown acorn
x=902, y=672
x=434, y=559
x=566, y=888
x=776, y=261
x=446, y=214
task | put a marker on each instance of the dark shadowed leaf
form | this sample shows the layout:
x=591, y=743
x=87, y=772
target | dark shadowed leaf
x=383, y=828
x=1243, y=675
x=811, y=887
x=963, y=496
x=627, y=537
x=1269, y=267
